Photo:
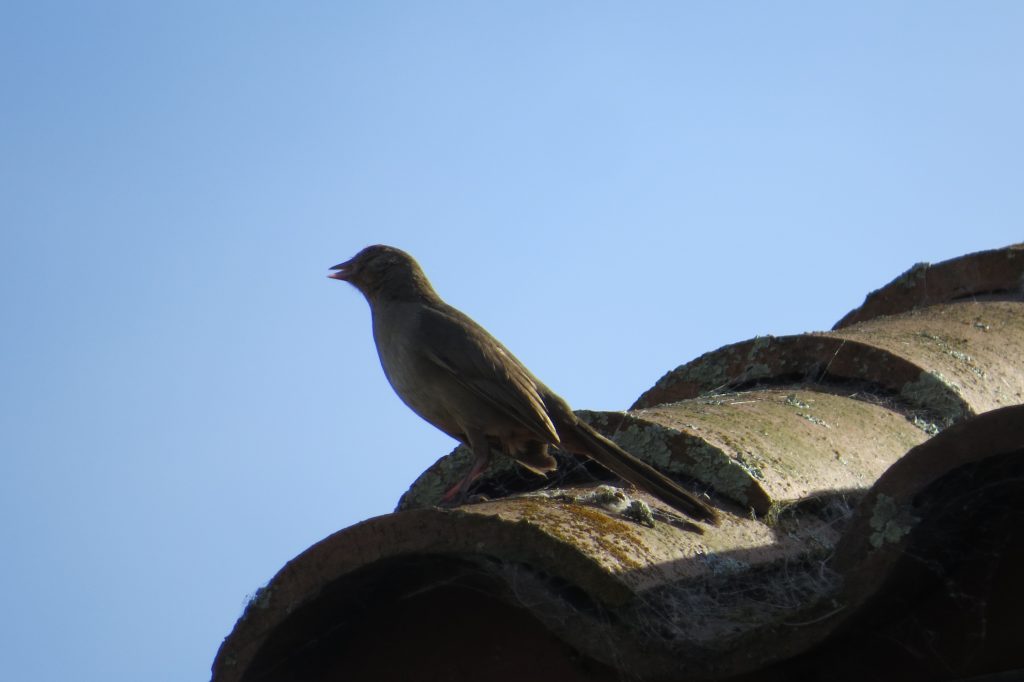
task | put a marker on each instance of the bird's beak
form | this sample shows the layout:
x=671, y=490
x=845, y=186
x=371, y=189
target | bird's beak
x=342, y=271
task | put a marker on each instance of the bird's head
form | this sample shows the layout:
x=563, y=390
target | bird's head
x=384, y=271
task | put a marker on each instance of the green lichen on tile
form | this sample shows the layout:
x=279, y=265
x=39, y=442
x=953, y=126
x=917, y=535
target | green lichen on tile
x=639, y=511
x=724, y=475
x=947, y=346
x=430, y=487
x=931, y=428
x=708, y=370
x=606, y=497
x=651, y=440
x=748, y=462
x=728, y=476
x=935, y=392
x=890, y=522
x=814, y=420
x=652, y=443
x=433, y=483
x=793, y=401
x=961, y=356
x=258, y=600
x=968, y=361
x=912, y=277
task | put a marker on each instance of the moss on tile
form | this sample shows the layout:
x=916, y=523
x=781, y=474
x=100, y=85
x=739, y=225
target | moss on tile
x=581, y=526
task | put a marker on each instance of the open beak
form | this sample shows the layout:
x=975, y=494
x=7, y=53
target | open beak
x=342, y=271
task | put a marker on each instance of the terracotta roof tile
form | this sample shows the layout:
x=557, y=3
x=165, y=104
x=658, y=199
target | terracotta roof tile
x=995, y=273
x=949, y=360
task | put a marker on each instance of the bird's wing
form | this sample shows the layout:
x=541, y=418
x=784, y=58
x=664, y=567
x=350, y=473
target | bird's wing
x=486, y=368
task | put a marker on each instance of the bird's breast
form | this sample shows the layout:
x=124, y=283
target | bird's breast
x=416, y=379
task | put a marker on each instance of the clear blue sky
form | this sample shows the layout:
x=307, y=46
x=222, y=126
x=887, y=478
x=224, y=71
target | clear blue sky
x=611, y=188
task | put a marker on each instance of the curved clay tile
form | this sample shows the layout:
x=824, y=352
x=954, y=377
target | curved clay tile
x=920, y=483
x=592, y=578
x=995, y=273
x=948, y=361
x=931, y=562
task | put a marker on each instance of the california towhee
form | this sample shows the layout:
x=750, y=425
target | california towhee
x=451, y=372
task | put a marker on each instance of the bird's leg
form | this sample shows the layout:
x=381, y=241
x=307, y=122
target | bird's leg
x=481, y=456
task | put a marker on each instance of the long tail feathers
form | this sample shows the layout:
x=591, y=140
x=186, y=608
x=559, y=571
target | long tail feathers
x=586, y=441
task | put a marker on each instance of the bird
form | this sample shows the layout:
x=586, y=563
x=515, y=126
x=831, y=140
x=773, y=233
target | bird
x=451, y=372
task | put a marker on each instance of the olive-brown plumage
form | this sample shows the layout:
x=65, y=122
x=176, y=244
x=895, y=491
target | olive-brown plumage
x=458, y=377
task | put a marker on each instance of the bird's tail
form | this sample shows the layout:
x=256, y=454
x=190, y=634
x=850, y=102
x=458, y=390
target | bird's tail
x=580, y=438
